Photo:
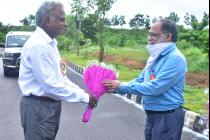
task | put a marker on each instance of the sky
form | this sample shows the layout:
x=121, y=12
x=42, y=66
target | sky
x=12, y=11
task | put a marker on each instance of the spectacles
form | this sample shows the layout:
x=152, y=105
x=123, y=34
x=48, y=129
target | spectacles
x=154, y=34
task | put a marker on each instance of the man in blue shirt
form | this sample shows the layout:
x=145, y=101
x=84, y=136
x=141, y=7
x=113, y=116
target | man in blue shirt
x=161, y=83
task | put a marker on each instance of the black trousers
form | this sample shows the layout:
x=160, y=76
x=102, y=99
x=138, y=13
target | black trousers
x=39, y=118
x=164, y=126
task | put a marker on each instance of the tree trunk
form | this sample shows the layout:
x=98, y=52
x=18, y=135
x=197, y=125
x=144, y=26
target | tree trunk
x=101, y=51
x=78, y=36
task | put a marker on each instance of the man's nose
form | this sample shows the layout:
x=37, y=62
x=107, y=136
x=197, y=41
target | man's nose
x=149, y=38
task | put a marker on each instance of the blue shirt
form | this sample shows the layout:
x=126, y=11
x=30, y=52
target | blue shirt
x=162, y=85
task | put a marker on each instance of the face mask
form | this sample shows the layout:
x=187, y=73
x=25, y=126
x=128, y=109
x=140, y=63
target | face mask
x=155, y=50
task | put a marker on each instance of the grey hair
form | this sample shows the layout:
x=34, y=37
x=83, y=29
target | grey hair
x=169, y=26
x=45, y=9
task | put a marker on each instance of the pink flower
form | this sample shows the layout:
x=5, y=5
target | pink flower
x=94, y=75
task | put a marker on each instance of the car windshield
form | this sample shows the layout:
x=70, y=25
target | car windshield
x=16, y=41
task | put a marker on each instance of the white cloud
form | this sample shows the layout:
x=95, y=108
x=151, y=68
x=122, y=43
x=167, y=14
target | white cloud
x=11, y=11
x=156, y=8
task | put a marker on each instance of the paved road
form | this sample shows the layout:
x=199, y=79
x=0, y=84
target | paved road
x=113, y=119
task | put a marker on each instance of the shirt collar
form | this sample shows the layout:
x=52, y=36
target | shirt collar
x=168, y=49
x=53, y=42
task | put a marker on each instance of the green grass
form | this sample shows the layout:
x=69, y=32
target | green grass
x=126, y=74
x=195, y=98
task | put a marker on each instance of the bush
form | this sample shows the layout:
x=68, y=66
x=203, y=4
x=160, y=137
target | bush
x=183, y=44
x=197, y=61
x=198, y=39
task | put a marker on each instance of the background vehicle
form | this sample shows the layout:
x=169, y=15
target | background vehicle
x=13, y=47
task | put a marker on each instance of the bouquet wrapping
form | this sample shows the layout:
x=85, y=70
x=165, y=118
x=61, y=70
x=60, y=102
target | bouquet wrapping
x=94, y=74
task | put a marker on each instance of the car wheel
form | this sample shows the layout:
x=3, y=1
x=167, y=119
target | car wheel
x=6, y=71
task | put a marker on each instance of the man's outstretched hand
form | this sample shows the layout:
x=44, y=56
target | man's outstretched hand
x=92, y=101
x=111, y=85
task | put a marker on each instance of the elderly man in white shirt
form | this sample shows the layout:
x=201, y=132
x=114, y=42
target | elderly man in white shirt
x=40, y=77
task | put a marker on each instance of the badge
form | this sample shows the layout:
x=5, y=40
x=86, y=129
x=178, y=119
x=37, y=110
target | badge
x=63, y=67
x=152, y=77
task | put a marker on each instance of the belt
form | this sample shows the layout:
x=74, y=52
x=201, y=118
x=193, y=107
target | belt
x=43, y=98
x=162, y=112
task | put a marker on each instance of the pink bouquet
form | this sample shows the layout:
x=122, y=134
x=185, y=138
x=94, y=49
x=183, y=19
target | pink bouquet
x=94, y=74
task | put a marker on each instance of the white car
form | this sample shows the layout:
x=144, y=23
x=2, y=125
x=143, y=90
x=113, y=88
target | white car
x=13, y=47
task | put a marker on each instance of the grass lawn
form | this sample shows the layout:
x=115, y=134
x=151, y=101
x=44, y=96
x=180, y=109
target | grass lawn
x=195, y=98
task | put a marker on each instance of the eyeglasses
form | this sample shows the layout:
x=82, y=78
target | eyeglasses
x=154, y=34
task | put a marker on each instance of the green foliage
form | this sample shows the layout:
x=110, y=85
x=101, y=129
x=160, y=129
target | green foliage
x=126, y=74
x=101, y=6
x=63, y=42
x=2, y=37
x=122, y=41
x=138, y=21
x=28, y=21
x=195, y=99
x=174, y=17
x=194, y=23
x=118, y=20
x=197, y=61
x=124, y=37
x=5, y=29
x=195, y=38
x=89, y=28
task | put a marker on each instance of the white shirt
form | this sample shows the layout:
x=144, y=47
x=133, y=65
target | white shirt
x=40, y=73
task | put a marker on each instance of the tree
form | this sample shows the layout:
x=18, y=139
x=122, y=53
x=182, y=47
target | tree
x=187, y=19
x=69, y=37
x=3, y=31
x=147, y=22
x=191, y=20
x=101, y=8
x=80, y=8
x=137, y=21
x=118, y=20
x=194, y=23
x=28, y=21
x=205, y=21
x=140, y=21
x=107, y=22
x=174, y=17
x=89, y=28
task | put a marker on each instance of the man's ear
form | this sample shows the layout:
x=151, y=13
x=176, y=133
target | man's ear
x=169, y=37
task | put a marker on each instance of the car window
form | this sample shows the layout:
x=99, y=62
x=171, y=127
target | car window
x=16, y=41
